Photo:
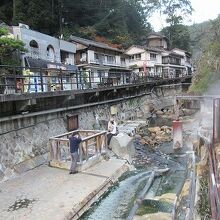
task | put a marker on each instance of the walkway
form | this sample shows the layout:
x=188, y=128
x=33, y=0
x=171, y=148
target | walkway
x=50, y=193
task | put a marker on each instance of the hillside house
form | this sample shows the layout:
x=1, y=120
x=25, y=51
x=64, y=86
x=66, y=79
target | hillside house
x=156, y=59
x=144, y=59
x=100, y=60
x=45, y=52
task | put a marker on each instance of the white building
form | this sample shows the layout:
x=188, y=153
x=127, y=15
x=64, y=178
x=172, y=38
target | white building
x=144, y=59
x=46, y=56
x=101, y=60
x=44, y=47
x=156, y=59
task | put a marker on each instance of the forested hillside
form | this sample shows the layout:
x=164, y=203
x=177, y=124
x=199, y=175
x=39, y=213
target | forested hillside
x=205, y=40
x=200, y=36
x=118, y=21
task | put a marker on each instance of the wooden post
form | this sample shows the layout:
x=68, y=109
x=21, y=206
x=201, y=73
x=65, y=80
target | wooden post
x=97, y=144
x=80, y=154
x=100, y=144
x=86, y=153
x=58, y=151
x=50, y=150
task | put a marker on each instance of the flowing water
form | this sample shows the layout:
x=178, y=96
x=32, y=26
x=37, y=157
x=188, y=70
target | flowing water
x=120, y=200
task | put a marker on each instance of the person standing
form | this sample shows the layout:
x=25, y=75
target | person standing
x=75, y=140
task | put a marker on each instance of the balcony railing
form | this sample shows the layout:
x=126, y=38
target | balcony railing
x=35, y=80
x=107, y=63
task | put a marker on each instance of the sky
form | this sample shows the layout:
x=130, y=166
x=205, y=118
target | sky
x=203, y=10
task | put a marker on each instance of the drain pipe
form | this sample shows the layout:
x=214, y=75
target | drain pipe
x=141, y=196
x=190, y=214
x=143, y=193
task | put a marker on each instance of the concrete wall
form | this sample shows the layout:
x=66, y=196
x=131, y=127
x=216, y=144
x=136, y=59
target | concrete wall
x=43, y=41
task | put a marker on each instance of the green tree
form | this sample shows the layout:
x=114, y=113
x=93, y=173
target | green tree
x=8, y=46
x=6, y=7
x=178, y=35
x=175, y=11
x=120, y=21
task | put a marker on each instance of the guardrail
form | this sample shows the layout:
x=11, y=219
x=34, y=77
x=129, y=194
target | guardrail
x=92, y=145
x=30, y=80
x=208, y=139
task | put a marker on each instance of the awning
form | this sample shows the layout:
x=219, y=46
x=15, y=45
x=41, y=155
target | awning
x=39, y=63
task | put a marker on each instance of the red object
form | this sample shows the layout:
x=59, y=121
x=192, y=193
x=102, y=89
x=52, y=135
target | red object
x=177, y=134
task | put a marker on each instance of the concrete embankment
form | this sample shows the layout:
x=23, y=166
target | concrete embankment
x=49, y=193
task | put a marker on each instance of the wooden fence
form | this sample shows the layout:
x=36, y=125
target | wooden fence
x=92, y=145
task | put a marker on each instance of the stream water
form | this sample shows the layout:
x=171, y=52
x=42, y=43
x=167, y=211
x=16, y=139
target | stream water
x=117, y=204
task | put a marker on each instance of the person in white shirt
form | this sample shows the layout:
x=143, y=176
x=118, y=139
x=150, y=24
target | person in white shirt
x=112, y=130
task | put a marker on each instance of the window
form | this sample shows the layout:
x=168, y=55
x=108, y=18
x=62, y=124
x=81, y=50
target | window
x=132, y=57
x=50, y=53
x=99, y=57
x=135, y=57
x=153, y=56
x=123, y=61
x=34, y=49
x=175, y=61
x=101, y=73
x=138, y=56
x=96, y=56
x=165, y=60
x=33, y=44
x=110, y=59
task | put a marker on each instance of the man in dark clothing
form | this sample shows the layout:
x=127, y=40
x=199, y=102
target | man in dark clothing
x=74, y=146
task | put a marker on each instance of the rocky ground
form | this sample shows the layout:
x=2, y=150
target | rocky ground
x=154, y=150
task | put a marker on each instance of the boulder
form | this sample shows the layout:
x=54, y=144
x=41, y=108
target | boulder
x=137, y=136
x=122, y=146
x=154, y=129
x=167, y=197
x=159, y=113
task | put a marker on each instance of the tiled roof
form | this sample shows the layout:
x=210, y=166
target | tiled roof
x=92, y=43
x=147, y=48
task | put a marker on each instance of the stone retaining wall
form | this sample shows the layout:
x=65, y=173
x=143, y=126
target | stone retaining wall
x=25, y=138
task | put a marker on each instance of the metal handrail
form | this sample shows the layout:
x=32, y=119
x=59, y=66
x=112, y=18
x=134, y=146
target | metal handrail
x=45, y=80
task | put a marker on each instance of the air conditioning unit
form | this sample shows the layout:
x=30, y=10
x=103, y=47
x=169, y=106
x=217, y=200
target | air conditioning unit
x=25, y=26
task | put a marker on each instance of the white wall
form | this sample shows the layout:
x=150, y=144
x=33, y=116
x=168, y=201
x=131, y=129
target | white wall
x=91, y=56
x=134, y=50
x=118, y=60
x=43, y=41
